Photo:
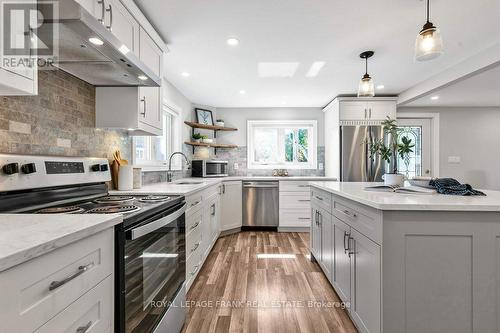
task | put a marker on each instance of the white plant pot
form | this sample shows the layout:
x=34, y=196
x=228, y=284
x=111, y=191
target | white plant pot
x=391, y=179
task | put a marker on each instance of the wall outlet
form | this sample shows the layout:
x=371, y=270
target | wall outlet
x=236, y=166
x=454, y=159
x=320, y=166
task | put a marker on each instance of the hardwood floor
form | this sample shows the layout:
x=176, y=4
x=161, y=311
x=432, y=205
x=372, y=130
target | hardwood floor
x=237, y=292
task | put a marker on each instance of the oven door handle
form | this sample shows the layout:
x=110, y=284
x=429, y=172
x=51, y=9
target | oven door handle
x=153, y=226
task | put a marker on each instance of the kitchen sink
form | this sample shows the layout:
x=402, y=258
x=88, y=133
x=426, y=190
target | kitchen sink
x=188, y=183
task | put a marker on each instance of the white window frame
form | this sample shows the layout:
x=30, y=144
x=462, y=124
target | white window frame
x=310, y=165
x=174, y=144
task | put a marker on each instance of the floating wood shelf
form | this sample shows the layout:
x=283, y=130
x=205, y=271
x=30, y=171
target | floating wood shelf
x=209, y=127
x=213, y=145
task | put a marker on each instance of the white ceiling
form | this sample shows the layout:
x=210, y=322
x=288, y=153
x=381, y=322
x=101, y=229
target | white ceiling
x=303, y=32
x=480, y=90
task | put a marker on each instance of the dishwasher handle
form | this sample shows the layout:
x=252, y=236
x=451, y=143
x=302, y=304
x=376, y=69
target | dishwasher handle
x=259, y=185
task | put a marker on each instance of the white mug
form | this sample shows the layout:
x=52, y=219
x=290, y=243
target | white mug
x=391, y=179
x=125, y=178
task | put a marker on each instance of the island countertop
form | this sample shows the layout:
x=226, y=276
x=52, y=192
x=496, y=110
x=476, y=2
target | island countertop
x=27, y=236
x=397, y=201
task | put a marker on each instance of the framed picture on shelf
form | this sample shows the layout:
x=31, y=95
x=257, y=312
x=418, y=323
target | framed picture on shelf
x=204, y=117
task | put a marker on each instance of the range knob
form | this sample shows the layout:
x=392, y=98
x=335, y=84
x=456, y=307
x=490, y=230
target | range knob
x=28, y=168
x=104, y=167
x=95, y=167
x=11, y=168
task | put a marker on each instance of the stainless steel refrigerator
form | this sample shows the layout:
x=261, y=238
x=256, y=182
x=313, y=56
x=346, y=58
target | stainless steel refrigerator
x=356, y=164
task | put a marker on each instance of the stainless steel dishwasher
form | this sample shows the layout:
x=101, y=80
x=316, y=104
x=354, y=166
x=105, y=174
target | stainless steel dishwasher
x=260, y=204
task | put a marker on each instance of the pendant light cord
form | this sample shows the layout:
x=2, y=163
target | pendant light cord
x=366, y=66
x=428, y=10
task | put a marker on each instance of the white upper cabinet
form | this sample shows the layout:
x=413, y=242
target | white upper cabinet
x=365, y=110
x=18, y=74
x=149, y=53
x=122, y=24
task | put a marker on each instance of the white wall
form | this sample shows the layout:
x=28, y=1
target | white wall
x=172, y=96
x=473, y=134
x=237, y=117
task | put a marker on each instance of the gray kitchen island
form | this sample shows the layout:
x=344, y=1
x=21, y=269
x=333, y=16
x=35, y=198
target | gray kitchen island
x=410, y=262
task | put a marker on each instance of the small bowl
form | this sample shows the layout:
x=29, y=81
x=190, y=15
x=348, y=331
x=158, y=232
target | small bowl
x=421, y=182
x=219, y=123
x=208, y=140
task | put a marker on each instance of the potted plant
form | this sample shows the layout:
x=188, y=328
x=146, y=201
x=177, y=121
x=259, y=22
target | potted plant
x=205, y=139
x=197, y=137
x=389, y=149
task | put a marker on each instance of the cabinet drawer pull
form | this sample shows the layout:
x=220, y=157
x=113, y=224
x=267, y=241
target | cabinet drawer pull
x=195, y=247
x=195, y=203
x=195, y=270
x=348, y=235
x=319, y=198
x=348, y=213
x=81, y=270
x=304, y=218
x=304, y=200
x=83, y=329
x=303, y=185
x=213, y=210
x=194, y=226
x=110, y=10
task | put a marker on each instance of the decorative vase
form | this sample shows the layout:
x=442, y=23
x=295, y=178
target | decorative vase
x=393, y=179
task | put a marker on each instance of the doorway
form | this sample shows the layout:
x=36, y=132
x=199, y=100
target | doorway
x=423, y=131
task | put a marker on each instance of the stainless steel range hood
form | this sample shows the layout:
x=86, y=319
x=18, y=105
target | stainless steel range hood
x=110, y=64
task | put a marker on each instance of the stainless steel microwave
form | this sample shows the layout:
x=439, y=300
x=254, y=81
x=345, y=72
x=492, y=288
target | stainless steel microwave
x=203, y=168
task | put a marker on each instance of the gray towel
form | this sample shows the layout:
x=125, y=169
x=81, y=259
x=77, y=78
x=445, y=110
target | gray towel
x=452, y=186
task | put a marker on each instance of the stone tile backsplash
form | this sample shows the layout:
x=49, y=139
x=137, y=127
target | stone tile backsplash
x=60, y=120
x=239, y=155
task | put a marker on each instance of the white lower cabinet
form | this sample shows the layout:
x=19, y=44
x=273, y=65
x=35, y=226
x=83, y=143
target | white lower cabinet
x=342, y=260
x=349, y=258
x=315, y=234
x=325, y=220
x=202, y=229
x=294, y=205
x=91, y=314
x=366, y=282
x=231, y=205
x=61, y=290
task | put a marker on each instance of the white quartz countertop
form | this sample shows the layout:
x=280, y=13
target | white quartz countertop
x=27, y=236
x=399, y=201
x=202, y=183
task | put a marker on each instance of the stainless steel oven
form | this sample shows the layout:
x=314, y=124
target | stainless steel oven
x=202, y=168
x=151, y=271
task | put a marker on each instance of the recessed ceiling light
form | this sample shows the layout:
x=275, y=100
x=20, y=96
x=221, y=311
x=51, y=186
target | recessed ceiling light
x=232, y=41
x=243, y=92
x=96, y=41
x=435, y=98
x=315, y=68
x=185, y=74
x=142, y=77
x=380, y=87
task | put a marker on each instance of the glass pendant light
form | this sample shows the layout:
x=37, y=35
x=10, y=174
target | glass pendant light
x=429, y=44
x=366, y=87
